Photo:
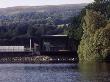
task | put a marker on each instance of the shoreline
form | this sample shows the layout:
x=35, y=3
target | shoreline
x=36, y=60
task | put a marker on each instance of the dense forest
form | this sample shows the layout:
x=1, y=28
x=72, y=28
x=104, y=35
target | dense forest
x=27, y=21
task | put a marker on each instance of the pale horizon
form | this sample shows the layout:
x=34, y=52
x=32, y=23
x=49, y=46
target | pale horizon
x=13, y=3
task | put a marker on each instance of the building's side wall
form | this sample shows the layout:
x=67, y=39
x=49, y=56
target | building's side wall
x=12, y=48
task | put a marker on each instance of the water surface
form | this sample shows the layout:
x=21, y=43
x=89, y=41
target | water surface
x=55, y=72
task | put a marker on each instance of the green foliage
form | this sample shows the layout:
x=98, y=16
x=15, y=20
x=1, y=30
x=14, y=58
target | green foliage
x=95, y=43
x=35, y=21
x=74, y=29
x=13, y=28
x=102, y=6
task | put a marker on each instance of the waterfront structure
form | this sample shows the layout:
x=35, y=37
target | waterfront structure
x=50, y=45
x=58, y=46
x=57, y=43
x=12, y=49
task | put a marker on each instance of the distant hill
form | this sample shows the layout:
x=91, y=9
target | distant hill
x=48, y=8
x=24, y=21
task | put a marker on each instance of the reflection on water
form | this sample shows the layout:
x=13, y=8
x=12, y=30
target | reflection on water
x=89, y=72
x=95, y=72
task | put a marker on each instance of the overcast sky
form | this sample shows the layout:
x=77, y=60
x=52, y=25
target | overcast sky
x=11, y=3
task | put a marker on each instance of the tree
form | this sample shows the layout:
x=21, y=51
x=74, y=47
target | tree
x=95, y=42
x=102, y=6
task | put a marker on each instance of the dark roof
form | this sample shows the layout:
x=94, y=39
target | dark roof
x=54, y=35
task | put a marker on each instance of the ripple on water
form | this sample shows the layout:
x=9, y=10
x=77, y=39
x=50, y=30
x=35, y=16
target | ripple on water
x=55, y=72
x=38, y=72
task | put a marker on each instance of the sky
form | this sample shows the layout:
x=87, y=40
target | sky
x=11, y=3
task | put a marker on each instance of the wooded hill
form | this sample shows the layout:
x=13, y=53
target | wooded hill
x=25, y=21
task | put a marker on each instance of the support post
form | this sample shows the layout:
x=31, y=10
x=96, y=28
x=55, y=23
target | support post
x=30, y=45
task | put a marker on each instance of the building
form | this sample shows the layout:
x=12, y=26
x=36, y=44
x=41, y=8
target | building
x=56, y=43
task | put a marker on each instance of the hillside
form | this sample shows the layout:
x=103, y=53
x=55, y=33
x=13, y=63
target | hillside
x=48, y=9
x=24, y=21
